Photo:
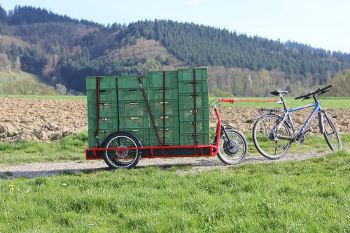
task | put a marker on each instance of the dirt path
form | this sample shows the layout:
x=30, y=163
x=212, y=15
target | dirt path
x=197, y=164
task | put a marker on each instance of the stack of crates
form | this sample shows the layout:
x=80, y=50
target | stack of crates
x=180, y=112
x=163, y=96
x=107, y=120
x=193, y=106
x=133, y=114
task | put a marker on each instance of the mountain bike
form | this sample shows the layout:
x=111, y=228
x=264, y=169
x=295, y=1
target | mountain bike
x=274, y=131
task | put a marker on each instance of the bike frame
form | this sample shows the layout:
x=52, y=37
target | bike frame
x=287, y=115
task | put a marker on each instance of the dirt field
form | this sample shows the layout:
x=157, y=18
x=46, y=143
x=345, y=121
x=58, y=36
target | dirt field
x=47, y=120
x=44, y=120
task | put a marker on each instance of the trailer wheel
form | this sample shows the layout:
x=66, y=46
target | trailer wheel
x=121, y=158
x=233, y=148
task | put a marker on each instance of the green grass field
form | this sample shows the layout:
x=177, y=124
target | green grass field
x=304, y=196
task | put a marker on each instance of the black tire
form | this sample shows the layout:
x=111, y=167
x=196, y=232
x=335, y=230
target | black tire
x=265, y=136
x=121, y=159
x=232, y=150
x=330, y=133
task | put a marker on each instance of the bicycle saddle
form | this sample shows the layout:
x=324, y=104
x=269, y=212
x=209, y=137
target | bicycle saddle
x=279, y=92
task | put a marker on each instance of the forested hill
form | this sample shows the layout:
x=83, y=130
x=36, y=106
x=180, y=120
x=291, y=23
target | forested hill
x=201, y=45
x=64, y=50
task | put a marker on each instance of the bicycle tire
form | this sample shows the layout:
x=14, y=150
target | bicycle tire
x=231, y=147
x=260, y=139
x=329, y=129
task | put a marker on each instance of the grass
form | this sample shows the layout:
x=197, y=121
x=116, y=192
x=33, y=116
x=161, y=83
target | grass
x=307, y=196
x=326, y=102
x=68, y=148
x=19, y=82
x=315, y=144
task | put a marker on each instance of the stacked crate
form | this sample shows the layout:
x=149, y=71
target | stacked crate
x=105, y=121
x=163, y=96
x=193, y=106
x=133, y=114
x=178, y=101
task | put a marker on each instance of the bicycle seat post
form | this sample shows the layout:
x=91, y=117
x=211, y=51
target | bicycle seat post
x=283, y=101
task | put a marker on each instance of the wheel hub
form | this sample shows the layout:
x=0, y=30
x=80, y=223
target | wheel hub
x=231, y=147
x=122, y=152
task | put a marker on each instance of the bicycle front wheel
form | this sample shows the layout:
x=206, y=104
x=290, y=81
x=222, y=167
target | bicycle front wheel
x=330, y=133
x=233, y=147
x=268, y=139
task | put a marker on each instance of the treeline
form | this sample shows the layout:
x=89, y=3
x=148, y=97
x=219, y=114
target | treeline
x=28, y=15
x=202, y=45
x=64, y=50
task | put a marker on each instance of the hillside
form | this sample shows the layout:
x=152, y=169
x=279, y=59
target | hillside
x=22, y=83
x=60, y=49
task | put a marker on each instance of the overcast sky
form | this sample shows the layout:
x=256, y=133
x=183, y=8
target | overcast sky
x=319, y=23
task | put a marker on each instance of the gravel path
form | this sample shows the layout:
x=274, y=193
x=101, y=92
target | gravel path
x=32, y=170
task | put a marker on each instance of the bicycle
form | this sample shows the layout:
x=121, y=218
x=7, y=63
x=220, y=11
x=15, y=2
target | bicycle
x=274, y=131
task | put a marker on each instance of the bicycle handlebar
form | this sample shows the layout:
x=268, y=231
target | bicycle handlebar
x=318, y=91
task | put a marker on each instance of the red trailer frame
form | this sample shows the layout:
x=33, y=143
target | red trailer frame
x=199, y=150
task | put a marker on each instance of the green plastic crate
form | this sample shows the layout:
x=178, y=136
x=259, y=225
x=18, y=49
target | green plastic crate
x=187, y=74
x=171, y=136
x=105, y=123
x=142, y=134
x=170, y=121
x=186, y=101
x=188, y=127
x=171, y=107
x=131, y=122
x=188, y=87
x=105, y=109
x=188, y=115
x=106, y=95
x=106, y=82
x=188, y=138
x=131, y=94
x=130, y=82
x=155, y=79
x=157, y=94
x=132, y=108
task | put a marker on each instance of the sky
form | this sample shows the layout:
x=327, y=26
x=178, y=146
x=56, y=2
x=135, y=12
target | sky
x=318, y=23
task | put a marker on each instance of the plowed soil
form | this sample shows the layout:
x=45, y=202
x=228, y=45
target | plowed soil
x=47, y=120
x=40, y=120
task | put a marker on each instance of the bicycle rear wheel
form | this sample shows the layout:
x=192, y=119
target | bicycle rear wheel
x=267, y=138
x=330, y=133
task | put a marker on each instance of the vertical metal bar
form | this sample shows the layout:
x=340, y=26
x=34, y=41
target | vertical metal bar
x=195, y=106
x=164, y=89
x=97, y=110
